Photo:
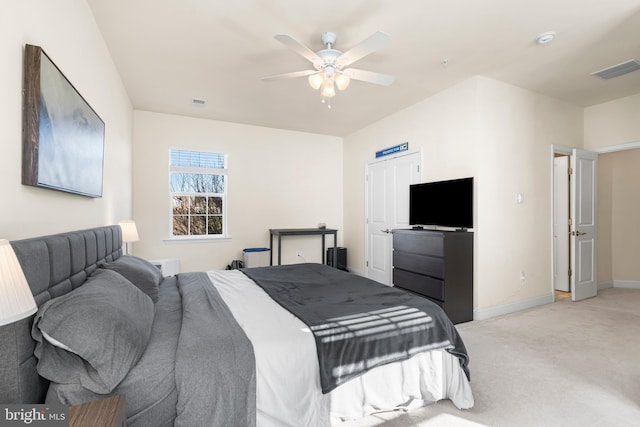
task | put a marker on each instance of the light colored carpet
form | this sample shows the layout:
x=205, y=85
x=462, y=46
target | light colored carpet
x=562, y=364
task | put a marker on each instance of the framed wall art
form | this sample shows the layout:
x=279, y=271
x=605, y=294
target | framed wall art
x=63, y=137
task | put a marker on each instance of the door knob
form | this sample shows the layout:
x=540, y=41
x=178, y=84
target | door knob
x=576, y=233
x=387, y=231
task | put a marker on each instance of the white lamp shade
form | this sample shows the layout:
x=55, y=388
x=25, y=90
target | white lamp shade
x=342, y=81
x=315, y=80
x=129, y=231
x=328, y=91
x=16, y=299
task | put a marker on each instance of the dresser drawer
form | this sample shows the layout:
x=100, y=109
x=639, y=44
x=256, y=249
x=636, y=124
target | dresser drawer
x=437, y=302
x=424, y=285
x=421, y=264
x=421, y=242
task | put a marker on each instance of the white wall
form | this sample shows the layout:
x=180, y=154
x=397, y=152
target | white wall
x=612, y=123
x=443, y=126
x=501, y=135
x=277, y=179
x=612, y=126
x=67, y=32
x=618, y=213
x=517, y=129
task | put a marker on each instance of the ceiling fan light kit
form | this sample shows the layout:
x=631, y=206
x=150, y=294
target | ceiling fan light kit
x=315, y=80
x=342, y=81
x=326, y=79
x=328, y=90
x=330, y=63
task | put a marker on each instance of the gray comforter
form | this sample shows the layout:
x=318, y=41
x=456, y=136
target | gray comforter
x=215, y=365
x=198, y=368
x=357, y=323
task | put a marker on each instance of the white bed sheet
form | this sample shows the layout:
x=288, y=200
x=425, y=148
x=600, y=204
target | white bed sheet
x=287, y=376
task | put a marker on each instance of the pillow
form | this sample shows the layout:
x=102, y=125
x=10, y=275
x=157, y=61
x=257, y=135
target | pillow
x=138, y=271
x=96, y=333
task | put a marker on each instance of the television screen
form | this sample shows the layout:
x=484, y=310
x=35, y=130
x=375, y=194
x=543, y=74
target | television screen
x=442, y=203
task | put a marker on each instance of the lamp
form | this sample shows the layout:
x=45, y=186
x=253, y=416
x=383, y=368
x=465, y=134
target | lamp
x=129, y=233
x=328, y=91
x=326, y=79
x=315, y=80
x=16, y=299
x=342, y=81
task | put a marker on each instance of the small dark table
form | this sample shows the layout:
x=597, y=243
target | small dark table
x=300, y=232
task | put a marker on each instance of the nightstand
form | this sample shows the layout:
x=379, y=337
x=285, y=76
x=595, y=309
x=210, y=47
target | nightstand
x=168, y=266
x=108, y=412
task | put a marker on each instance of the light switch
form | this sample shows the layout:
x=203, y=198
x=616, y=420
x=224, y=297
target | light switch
x=519, y=198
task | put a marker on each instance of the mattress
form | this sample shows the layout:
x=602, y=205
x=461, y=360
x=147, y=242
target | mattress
x=288, y=383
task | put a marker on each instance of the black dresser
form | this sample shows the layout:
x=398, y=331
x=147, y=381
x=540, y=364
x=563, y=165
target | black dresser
x=437, y=265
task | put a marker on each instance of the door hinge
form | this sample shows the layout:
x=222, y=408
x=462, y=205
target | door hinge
x=570, y=272
x=418, y=168
x=570, y=171
x=366, y=263
x=570, y=222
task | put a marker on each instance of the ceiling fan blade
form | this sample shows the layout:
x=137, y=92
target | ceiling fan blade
x=369, y=76
x=299, y=48
x=288, y=75
x=376, y=41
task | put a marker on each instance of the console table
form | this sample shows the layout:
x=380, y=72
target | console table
x=322, y=232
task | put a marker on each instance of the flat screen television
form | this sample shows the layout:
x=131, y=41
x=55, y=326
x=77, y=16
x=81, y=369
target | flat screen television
x=442, y=203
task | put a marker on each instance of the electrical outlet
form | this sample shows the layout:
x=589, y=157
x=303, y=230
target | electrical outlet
x=298, y=254
x=523, y=278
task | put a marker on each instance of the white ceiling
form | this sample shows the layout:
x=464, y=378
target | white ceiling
x=171, y=51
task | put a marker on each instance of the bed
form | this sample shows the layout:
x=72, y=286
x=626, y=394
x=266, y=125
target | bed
x=222, y=347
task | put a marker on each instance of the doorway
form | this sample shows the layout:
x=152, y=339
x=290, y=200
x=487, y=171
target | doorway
x=574, y=235
x=561, y=221
x=387, y=208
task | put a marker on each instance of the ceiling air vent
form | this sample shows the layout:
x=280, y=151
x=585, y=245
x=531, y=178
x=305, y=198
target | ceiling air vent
x=618, y=70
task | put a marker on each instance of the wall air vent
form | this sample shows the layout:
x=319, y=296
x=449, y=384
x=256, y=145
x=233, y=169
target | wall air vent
x=618, y=70
x=198, y=102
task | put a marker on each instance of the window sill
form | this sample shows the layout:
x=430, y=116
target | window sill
x=197, y=239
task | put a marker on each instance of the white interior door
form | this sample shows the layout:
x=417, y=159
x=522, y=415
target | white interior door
x=561, y=223
x=387, y=192
x=584, y=229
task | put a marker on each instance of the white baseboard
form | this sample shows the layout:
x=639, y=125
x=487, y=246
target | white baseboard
x=487, y=313
x=605, y=285
x=629, y=284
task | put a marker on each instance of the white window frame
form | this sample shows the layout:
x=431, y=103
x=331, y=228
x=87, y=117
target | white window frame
x=223, y=196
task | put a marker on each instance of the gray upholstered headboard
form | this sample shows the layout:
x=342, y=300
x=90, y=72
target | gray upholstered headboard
x=53, y=266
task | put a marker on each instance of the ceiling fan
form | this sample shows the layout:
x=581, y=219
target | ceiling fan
x=330, y=64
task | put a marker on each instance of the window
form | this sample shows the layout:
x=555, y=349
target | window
x=198, y=192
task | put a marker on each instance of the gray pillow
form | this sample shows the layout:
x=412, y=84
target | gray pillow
x=95, y=334
x=138, y=271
